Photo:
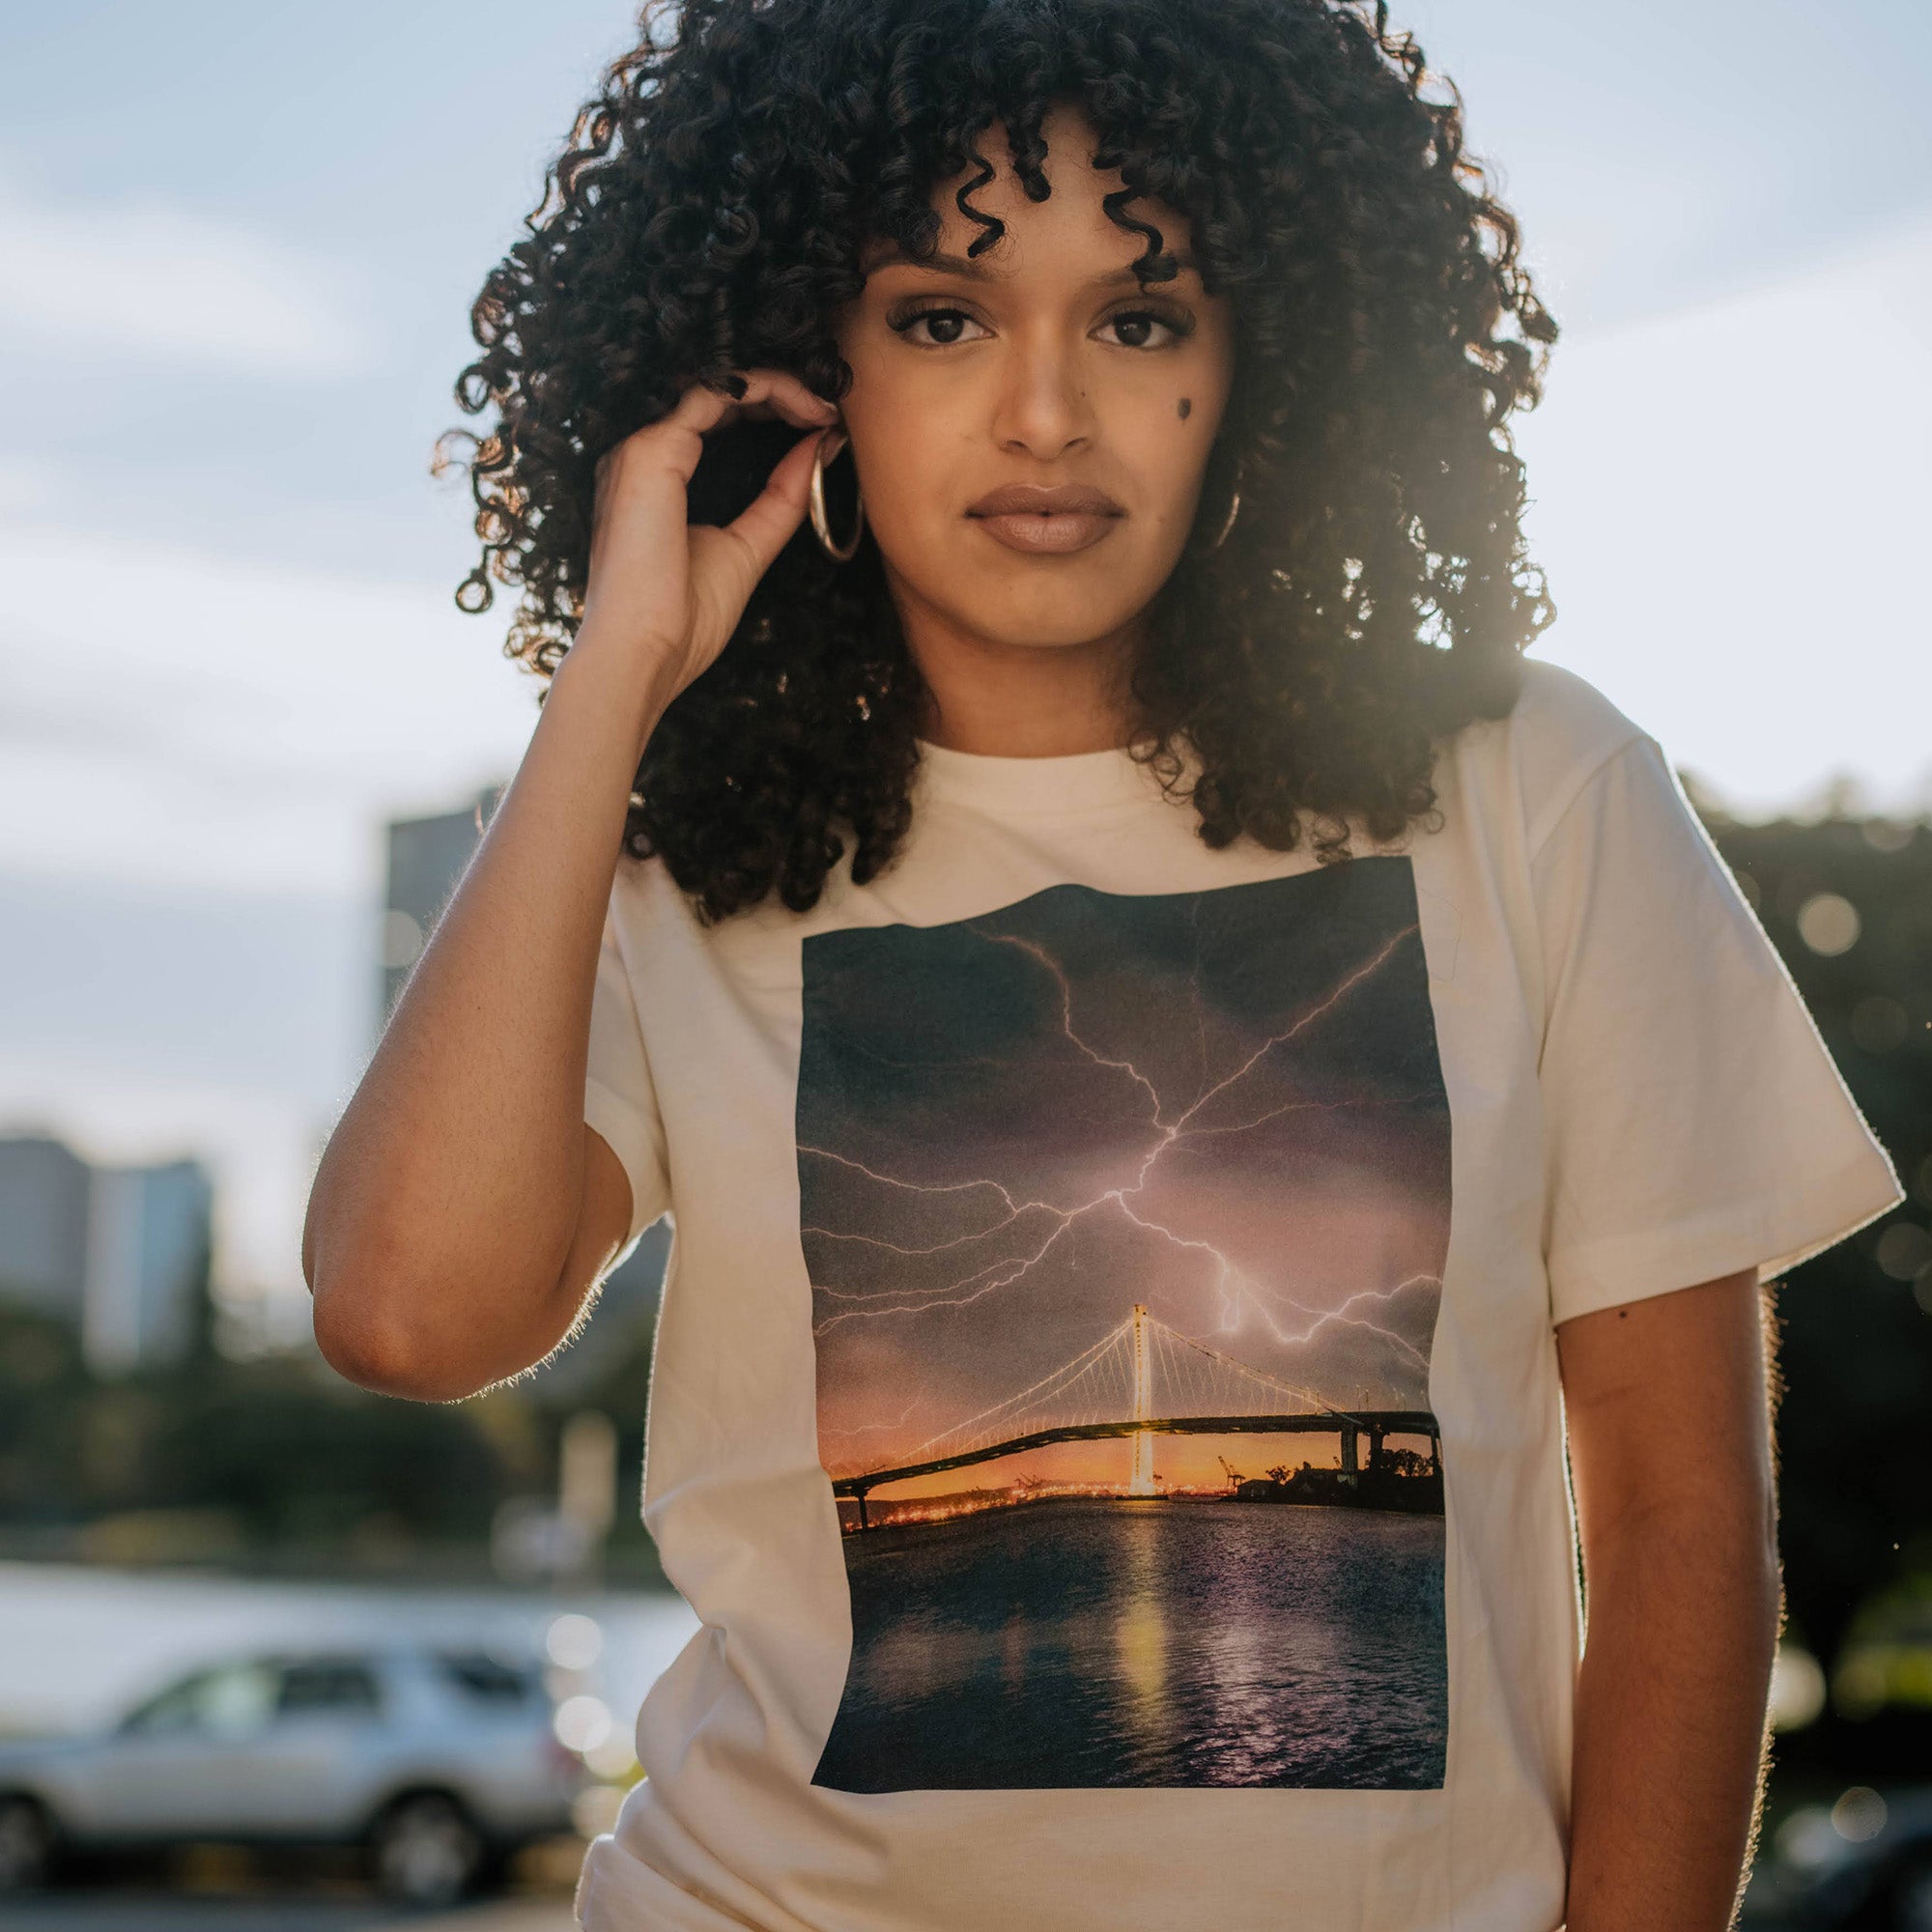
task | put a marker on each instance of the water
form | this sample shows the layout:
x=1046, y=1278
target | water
x=1079, y=1643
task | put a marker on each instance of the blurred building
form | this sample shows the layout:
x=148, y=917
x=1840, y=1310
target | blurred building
x=43, y=1189
x=119, y=1253
x=426, y=859
x=146, y=1287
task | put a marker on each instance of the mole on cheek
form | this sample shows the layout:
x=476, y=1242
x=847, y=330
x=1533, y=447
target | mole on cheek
x=1186, y=404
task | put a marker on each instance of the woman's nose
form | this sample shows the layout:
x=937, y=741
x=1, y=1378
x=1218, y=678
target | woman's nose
x=1043, y=404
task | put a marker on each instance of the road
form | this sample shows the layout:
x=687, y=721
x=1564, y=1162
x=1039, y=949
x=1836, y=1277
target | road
x=134, y=1910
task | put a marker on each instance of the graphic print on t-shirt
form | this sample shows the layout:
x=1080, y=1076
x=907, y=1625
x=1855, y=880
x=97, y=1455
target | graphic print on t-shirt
x=1126, y=1218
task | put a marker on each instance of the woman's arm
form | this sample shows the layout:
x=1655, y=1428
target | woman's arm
x=1668, y=1414
x=445, y=1206
x=462, y=1208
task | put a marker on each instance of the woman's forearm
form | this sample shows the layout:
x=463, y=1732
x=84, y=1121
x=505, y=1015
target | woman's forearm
x=1682, y=1613
x=445, y=1201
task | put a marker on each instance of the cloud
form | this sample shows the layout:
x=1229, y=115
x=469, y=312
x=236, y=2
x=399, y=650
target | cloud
x=181, y=718
x=159, y=281
x=1726, y=500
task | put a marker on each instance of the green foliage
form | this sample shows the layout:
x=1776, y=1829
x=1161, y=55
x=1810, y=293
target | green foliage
x=1858, y=1321
x=274, y=1462
x=278, y=1465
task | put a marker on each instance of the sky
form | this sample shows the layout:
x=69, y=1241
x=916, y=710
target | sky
x=1016, y=1130
x=237, y=246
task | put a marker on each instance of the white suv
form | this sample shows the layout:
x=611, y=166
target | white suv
x=439, y=1762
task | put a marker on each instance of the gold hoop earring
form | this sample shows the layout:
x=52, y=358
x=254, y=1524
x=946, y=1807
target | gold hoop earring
x=820, y=522
x=1233, y=510
x=1197, y=547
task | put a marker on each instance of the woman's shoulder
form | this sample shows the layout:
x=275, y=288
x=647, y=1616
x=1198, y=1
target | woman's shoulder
x=656, y=922
x=647, y=908
x=1560, y=733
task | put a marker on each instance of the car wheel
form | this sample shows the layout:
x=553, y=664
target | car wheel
x=1911, y=1895
x=425, y=1850
x=26, y=1844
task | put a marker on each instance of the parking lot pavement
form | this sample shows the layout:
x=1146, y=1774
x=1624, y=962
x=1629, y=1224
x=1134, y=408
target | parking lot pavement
x=522, y=1915
x=132, y=1911
x=177, y=1912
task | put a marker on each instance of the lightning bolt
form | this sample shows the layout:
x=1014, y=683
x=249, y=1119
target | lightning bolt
x=1235, y=1290
x=1052, y=967
x=873, y=1427
x=1322, y=1317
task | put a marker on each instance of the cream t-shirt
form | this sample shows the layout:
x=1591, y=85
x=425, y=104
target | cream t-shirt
x=1105, y=1409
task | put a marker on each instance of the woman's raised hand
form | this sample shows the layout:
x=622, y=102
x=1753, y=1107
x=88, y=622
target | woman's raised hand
x=672, y=589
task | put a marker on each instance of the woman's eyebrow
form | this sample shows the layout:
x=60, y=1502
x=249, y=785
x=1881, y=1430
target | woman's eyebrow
x=942, y=263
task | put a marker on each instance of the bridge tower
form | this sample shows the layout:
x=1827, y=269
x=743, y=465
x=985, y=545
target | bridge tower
x=1142, y=1483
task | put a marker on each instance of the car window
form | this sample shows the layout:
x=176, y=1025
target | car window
x=233, y=1701
x=173, y=1710
x=487, y=1679
x=338, y=1686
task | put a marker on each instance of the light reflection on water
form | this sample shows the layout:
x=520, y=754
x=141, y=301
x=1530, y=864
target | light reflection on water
x=1140, y=1628
x=1146, y=1643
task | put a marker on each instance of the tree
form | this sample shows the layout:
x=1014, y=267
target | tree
x=1857, y=1323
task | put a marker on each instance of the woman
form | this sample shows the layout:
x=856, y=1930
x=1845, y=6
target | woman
x=1173, y=1056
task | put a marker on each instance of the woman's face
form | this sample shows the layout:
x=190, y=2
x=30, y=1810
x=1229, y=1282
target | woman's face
x=1039, y=363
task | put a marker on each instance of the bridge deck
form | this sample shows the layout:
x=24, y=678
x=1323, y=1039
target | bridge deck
x=1370, y=1421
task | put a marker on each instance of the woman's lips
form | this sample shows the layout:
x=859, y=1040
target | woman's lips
x=1054, y=532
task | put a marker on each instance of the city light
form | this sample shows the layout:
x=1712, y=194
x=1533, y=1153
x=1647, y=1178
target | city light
x=582, y=1722
x=574, y=1642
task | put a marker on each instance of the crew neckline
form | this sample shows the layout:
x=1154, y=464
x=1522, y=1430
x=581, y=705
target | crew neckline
x=1070, y=781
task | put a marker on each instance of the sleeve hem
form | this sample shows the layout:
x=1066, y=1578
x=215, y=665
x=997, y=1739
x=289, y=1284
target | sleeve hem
x=1772, y=1233
x=629, y=1137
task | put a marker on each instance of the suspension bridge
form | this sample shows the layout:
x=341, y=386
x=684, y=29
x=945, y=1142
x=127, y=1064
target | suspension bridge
x=1143, y=1379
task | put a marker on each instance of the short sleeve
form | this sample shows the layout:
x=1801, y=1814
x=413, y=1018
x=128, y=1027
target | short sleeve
x=619, y=1100
x=1695, y=1124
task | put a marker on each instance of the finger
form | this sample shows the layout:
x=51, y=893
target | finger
x=803, y=410
x=778, y=392
x=676, y=441
x=701, y=409
x=766, y=523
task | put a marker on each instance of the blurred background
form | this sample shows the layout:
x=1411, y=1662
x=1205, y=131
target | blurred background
x=246, y=743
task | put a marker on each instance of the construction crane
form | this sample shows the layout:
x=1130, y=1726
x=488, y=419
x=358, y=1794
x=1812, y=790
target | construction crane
x=1234, y=1477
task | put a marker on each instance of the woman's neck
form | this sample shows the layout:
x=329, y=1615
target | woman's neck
x=1023, y=700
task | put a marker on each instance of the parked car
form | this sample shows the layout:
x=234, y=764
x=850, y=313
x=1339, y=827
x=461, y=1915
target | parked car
x=439, y=1763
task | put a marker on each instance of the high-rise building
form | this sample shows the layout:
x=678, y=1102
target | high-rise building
x=44, y=1188
x=119, y=1253
x=148, y=1232
x=426, y=859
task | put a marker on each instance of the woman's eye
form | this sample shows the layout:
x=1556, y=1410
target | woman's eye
x=943, y=325
x=1135, y=325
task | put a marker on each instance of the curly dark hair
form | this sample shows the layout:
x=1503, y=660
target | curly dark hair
x=709, y=213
